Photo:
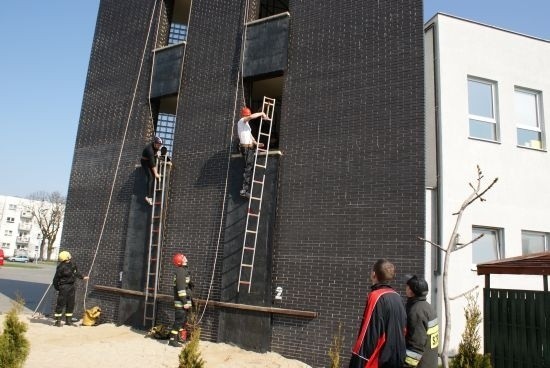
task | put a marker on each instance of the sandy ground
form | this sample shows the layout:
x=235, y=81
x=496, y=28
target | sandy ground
x=108, y=346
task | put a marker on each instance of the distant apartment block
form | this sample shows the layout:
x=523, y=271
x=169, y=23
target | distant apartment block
x=19, y=231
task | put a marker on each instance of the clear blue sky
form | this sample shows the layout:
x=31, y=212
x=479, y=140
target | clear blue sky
x=45, y=52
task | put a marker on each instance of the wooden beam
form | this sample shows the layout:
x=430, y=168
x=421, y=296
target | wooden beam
x=253, y=308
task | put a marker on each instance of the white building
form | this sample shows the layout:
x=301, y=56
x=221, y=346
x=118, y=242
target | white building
x=19, y=231
x=486, y=93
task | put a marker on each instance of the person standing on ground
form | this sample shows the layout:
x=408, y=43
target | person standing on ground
x=247, y=145
x=182, y=300
x=381, y=338
x=422, y=337
x=65, y=276
x=149, y=165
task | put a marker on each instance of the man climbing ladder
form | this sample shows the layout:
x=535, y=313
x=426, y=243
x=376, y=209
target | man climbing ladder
x=247, y=146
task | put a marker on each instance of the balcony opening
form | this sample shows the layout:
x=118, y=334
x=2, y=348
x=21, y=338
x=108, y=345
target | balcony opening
x=272, y=88
x=178, y=18
x=268, y=8
x=165, y=123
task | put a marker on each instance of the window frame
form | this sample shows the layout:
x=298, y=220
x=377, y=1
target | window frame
x=545, y=235
x=499, y=232
x=538, y=113
x=484, y=119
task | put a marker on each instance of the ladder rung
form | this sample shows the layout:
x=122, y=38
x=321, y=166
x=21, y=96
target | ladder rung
x=247, y=265
x=251, y=231
x=249, y=248
x=245, y=282
x=253, y=214
x=262, y=166
x=256, y=198
x=258, y=181
x=262, y=133
x=262, y=150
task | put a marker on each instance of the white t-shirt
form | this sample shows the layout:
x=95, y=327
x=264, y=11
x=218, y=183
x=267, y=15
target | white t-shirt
x=245, y=133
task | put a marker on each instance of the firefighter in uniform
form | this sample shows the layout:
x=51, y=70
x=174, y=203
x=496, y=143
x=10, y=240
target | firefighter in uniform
x=381, y=339
x=422, y=337
x=65, y=276
x=182, y=300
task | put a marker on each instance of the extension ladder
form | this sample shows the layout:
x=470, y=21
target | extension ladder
x=256, y=194
x=155, y=242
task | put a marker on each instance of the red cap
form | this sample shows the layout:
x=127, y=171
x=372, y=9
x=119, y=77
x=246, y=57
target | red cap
x=245, y=111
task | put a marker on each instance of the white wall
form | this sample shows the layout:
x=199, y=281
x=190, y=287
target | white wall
x=519, y=200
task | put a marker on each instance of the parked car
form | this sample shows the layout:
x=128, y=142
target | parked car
x=23, y=259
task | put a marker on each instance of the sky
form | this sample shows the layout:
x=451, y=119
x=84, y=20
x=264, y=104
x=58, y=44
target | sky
x=45, y=49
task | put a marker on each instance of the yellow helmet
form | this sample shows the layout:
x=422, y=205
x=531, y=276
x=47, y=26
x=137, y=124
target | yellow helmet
x=64, y=256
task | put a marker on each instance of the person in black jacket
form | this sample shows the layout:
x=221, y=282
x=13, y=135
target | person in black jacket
x=65, y=276
x=149, y=164
x=182, y=300
x=422, y=326
x=381, y=338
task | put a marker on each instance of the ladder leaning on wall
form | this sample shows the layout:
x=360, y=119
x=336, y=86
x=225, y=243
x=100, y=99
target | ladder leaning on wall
x=256, y=195
x=155, y=243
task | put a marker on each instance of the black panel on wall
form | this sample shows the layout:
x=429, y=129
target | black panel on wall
x=250, y=330
x=266, y=46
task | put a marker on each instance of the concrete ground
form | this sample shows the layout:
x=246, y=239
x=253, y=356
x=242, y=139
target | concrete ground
x=28, y=282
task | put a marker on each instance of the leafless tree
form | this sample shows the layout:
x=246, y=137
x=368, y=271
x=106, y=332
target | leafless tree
x=478, y=190
x=48, y=210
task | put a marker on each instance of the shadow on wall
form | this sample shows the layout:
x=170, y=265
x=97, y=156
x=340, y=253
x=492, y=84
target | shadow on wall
x=213, y=171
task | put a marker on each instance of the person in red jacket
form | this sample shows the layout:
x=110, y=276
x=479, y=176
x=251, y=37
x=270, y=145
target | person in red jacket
x=381, y=338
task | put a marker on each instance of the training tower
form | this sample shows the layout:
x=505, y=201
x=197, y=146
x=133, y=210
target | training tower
x=342, y=184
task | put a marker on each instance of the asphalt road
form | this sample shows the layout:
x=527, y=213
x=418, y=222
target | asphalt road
x=28, y=282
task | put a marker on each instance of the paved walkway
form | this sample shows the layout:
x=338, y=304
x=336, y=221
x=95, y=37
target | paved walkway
x=28, y=282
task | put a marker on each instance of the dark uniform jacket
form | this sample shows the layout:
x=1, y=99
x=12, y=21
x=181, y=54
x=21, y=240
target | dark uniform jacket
x=182, y=287
x=149, y=156
x=65, y=274
x=381, y=339
x=422, y=334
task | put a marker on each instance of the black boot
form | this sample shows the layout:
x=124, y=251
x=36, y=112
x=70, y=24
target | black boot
x=57, y=322
x=175, y=343
x=68, y=321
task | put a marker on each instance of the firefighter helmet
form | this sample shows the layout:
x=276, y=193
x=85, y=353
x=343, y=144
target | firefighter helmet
x=64, y=256
x=418, y=286
x=245, y=111
x=179, y=260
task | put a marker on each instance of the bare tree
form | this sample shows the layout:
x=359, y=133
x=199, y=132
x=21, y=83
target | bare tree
x=477, y=193
x=48, y=210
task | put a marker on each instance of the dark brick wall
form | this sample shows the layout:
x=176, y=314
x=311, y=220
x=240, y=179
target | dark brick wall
x=109, y=128
x=351, y=181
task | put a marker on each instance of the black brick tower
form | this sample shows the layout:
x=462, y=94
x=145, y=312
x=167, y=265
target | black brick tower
x=347, y=189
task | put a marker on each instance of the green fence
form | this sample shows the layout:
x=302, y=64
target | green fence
x=517, y=328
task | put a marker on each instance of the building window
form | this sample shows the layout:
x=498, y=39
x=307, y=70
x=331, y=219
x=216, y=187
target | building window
x=12, y=207
x=533, y=242
x=8, y=233
x=272, y=7
x=482, y=109
x=10, y=220
x=489, y=247
x=528, y=117
x=6, y=245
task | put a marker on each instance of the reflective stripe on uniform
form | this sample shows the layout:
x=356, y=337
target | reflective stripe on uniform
x=178, y=304
x=413, y=358
x=433, y=333
x=182, y=293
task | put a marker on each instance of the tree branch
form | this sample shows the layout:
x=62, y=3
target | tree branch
x=460, y=246
x=432, y=243
x=464, y=293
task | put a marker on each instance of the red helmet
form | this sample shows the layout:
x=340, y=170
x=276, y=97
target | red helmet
x=179, y=260
x=245, y=111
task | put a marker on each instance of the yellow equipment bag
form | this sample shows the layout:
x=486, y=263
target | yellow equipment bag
x=90, y=316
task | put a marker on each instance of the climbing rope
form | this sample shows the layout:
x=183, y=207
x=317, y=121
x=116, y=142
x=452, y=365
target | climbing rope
x=120, y=152
x=243, y=39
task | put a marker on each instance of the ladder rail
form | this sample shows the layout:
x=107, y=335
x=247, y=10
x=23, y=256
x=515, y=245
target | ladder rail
x=152, y=278
x=268, y=108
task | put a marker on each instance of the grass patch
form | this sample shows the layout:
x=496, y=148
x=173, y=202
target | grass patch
x=21, y=265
